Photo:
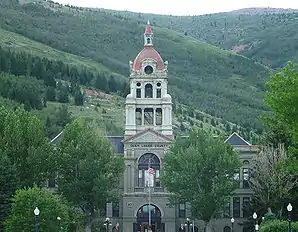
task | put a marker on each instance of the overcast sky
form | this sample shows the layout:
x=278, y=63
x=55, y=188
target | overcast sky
x=184, y=7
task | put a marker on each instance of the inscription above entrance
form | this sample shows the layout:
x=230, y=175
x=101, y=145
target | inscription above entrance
x=148, y=145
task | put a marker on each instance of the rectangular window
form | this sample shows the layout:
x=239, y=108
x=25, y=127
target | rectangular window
x=158, y=115
x=157, y=180
x=236, y=207
x=245, y=208
x=140, y=178
x=148, y=116
x=138, y=93
x=182, y=211
x=115, y=209
x=158, y=93
x=237, y=176
x=245, y=172
x=227, y=212
x=138, y=116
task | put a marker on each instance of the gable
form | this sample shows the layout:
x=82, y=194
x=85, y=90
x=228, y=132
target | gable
x=236, y=140
x=148, y=136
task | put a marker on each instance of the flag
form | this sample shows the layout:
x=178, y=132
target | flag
x=149, y=176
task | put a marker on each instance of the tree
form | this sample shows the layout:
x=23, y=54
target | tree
x=8, y=183
x=282, y=97
x=270, y=181
x=89, y=173
x=23, y=140
x=51, y=207
x=204, y=166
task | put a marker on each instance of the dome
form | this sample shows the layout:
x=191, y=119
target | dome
x=148, y=52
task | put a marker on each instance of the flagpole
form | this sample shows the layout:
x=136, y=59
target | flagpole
x=149, y=195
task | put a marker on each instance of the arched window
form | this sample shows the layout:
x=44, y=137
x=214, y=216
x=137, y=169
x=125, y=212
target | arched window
x=148, y=91
x=227, y=229
x=245, y=162
x=143, y=212
x=148, y=160
x=148, y=41
x=158, y=114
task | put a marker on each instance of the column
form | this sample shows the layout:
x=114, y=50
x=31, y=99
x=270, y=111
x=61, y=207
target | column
x=143, y=117
x=154, y=116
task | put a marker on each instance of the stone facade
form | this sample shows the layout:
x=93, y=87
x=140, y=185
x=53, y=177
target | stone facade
x=148, y=134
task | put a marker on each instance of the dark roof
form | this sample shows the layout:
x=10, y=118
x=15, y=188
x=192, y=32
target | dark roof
x=117, y=143
x=115, y=140
x=236, y=140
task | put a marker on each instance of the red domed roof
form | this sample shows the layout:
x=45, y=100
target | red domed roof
x=148, y=52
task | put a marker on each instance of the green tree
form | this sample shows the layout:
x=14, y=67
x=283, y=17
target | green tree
x=8, y=183
x=89, y=173
x=282, y=98
x=22, y=139
x=51, y=209
x=205, y=167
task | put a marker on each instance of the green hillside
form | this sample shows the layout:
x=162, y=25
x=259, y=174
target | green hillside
x=212, y=80
x=269, y=36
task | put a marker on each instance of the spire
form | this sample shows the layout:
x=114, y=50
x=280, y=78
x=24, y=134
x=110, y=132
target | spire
x=148, y=35
x=148, y=29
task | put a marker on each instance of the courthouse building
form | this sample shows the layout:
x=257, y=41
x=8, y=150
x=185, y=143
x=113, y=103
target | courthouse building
x=148, y=135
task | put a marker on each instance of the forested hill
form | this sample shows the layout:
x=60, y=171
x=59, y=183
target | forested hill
x=210, y=79
x=267, y=35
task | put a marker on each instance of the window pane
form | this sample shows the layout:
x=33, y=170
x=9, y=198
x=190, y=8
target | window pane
x=236, y=207
x=140, y=178
x=226, y=212
x=115, y=209
x=182, y=211
x=245, y=178
x=245, y=209
x=148, y=91
x=138, y=93
x=158, y=93
x=148, y=116
x=158, y=115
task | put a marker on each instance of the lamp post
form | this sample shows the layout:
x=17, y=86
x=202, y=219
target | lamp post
x=232, y=221
x=59, y=219
x=188, y=224
x=36, y=213
x=107, y=224
x=289, y=208
x=255, y=216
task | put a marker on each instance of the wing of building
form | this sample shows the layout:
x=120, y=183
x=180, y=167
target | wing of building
x=148, y=134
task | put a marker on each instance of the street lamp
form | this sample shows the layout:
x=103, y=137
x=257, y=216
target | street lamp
x=188, y=224
x=107, y=224
x=255, y=216
x=232, y=221
x=289, y=208
x=36, y=213
x=59, y=218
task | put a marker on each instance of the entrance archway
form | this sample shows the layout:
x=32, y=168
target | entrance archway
x=142, y=224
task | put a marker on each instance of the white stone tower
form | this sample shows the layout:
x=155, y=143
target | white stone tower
x=148, y=106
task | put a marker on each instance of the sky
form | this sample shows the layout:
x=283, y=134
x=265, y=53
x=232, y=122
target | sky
x=185, y=7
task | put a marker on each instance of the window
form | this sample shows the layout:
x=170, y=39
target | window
x=148, y=91
x=245, y=172
x=115, y=209
x=148, y=116
x=158, y=93
x=138, y=93
x=143, y=167
x=158, y=115
x=182, y=211
x=226, y=212
x=148, y=69
x=237, y=176
x=138, y=116
x=148, y=40
x=236, y=207
x=245, y=209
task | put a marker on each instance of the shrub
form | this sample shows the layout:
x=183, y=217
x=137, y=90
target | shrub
x=277, y=226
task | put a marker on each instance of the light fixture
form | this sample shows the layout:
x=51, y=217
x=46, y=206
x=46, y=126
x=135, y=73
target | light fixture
x=289, y=207
x=36, y=211
x=254, y=216
x=232, y=220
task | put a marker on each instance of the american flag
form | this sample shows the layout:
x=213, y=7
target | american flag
x=151, y=171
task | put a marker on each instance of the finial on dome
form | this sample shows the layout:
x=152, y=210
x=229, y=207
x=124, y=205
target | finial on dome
x=148, y=22
x=148, y=29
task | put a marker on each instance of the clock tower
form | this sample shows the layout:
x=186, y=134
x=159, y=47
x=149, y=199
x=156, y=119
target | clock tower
x=148, y=105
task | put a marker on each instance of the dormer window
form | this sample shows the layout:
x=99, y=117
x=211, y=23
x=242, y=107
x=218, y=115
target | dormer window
x=148, y=41
x=148, y=69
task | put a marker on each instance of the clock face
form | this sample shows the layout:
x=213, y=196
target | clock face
x=148, y=69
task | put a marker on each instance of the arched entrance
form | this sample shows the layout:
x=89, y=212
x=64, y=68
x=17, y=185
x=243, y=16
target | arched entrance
x=142, y=224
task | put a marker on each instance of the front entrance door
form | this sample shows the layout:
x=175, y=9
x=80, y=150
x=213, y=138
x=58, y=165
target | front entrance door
x=142, y=224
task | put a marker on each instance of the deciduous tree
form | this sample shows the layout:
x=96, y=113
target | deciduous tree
x=200, y=171
x=88, y=170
